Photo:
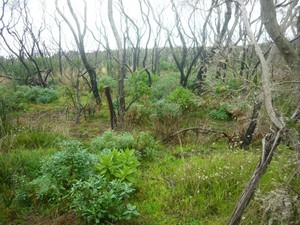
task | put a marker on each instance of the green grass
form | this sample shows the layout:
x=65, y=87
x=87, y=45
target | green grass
x=191, y=184
x=17, y=163
x=29, y=139
x=207, y=184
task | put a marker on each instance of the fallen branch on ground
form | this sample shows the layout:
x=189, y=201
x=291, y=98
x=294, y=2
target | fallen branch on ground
x=198, y=130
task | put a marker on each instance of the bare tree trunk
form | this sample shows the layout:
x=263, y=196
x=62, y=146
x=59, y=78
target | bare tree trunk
x=113, y=118
x=252, y=125
x=121, y=61
x=270, y=142
x=78, y=98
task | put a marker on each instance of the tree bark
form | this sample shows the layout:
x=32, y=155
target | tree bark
x=268, y=15
x=271, y=141
x=252, y=125
x=121, y=62
x=113, y=118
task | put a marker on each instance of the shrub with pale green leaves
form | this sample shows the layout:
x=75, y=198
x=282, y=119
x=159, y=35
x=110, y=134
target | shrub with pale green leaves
x=59, y=172
x=98, y=200
x=118, y=164
x=96, y=189
x=163, y=86
x=164, y=111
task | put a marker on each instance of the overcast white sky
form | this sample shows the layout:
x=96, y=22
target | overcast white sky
x=97, y=14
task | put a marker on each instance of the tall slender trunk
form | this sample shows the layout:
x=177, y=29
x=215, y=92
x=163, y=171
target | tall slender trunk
x=121, y=62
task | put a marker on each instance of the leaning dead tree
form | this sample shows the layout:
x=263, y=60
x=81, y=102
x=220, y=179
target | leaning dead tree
x=271, y=140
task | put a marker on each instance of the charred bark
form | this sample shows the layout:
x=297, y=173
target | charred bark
x=252, y=125
x=113, y=117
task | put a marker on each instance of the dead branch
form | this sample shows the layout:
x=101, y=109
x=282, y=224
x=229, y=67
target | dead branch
x=270, y=142
x=196, y=129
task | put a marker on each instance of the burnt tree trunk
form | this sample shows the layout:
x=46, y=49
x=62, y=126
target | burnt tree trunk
x=252, y=125
x=113, y=117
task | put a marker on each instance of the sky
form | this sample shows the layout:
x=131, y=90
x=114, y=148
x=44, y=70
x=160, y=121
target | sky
x=97, y=16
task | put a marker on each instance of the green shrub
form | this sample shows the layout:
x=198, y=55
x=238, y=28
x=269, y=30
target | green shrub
x=164, y=111
x=220, y=113
x=17, y=167
x=138, y=114
x=118, y=165
x=144, y=139
x=97, y=200
x=165, y=118
x=138, y=84
x=108, y=81
x=233, y=83
x=143, y=142
x=183, y=97
x=113, y=140
x=164, y=85
x=40, y=95
x=221, y=88
x=59, y=172
x=10, y=102
x=164, y=65
x=98, y=190
x=146, y=144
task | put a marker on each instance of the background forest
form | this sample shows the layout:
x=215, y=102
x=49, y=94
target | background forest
x=149, y=112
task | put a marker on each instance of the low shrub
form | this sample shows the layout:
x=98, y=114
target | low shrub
x=183, y=97
x=97, y=190
x=165, y=117
x=138, y=114
x=98, y=200
x=164, y=111
x=146, y=144
x=58, y=173
x=220, y=113
x=40, y=95
x=118, y=165
x=108, y=81
x=164, y=86
x=112, y=140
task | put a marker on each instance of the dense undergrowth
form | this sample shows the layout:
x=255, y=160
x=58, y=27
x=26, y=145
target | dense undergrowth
x=53, y=171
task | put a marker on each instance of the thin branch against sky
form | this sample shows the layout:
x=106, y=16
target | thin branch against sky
x=44, y=11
